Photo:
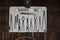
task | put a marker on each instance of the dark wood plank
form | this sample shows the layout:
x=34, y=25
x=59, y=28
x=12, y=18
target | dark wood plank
x=53, y=20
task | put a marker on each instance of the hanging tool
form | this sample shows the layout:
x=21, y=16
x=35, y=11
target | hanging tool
x=35, y=23
x=19, y=25
x=11, y=23
x=27, y=25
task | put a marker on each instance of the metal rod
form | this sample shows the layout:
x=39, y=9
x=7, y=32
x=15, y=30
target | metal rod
x=39, y=20
x=17, y=18
x=28, y=13
x=23, y=22
x=15, y=23
x=27, y=25
x=19, y=25
x=35, y=24
x=11, y=22
x=30, y=22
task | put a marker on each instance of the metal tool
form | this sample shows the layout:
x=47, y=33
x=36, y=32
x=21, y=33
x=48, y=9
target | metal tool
x=19, y=25
x=28, y=13
x=23, y=21
x=35, y=24
x=11, y=18
x=17, y=18
x=39, y=20
x=30, y=23
x=27, y=25
x=11, y=22
x=43, y=18
x=15, y=23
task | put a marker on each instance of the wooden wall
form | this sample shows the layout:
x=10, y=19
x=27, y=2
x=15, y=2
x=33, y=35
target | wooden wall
x=53, y=20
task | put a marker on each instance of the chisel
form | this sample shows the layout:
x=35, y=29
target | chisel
x=11, y=22
x=27, y=25
x=19, y=25
x=23, y=22
x=15, y=23
x=39, y=20
x=35, y=23
x=30, y=23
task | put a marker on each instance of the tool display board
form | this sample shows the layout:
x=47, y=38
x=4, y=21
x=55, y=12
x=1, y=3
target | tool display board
x=33, y=19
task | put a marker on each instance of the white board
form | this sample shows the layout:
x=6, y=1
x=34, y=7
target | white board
x=33, y=19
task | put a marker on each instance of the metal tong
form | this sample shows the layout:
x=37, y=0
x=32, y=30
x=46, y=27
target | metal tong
x=27, y=25
x=15, y=21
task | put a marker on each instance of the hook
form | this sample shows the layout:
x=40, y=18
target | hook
x=27, y=3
